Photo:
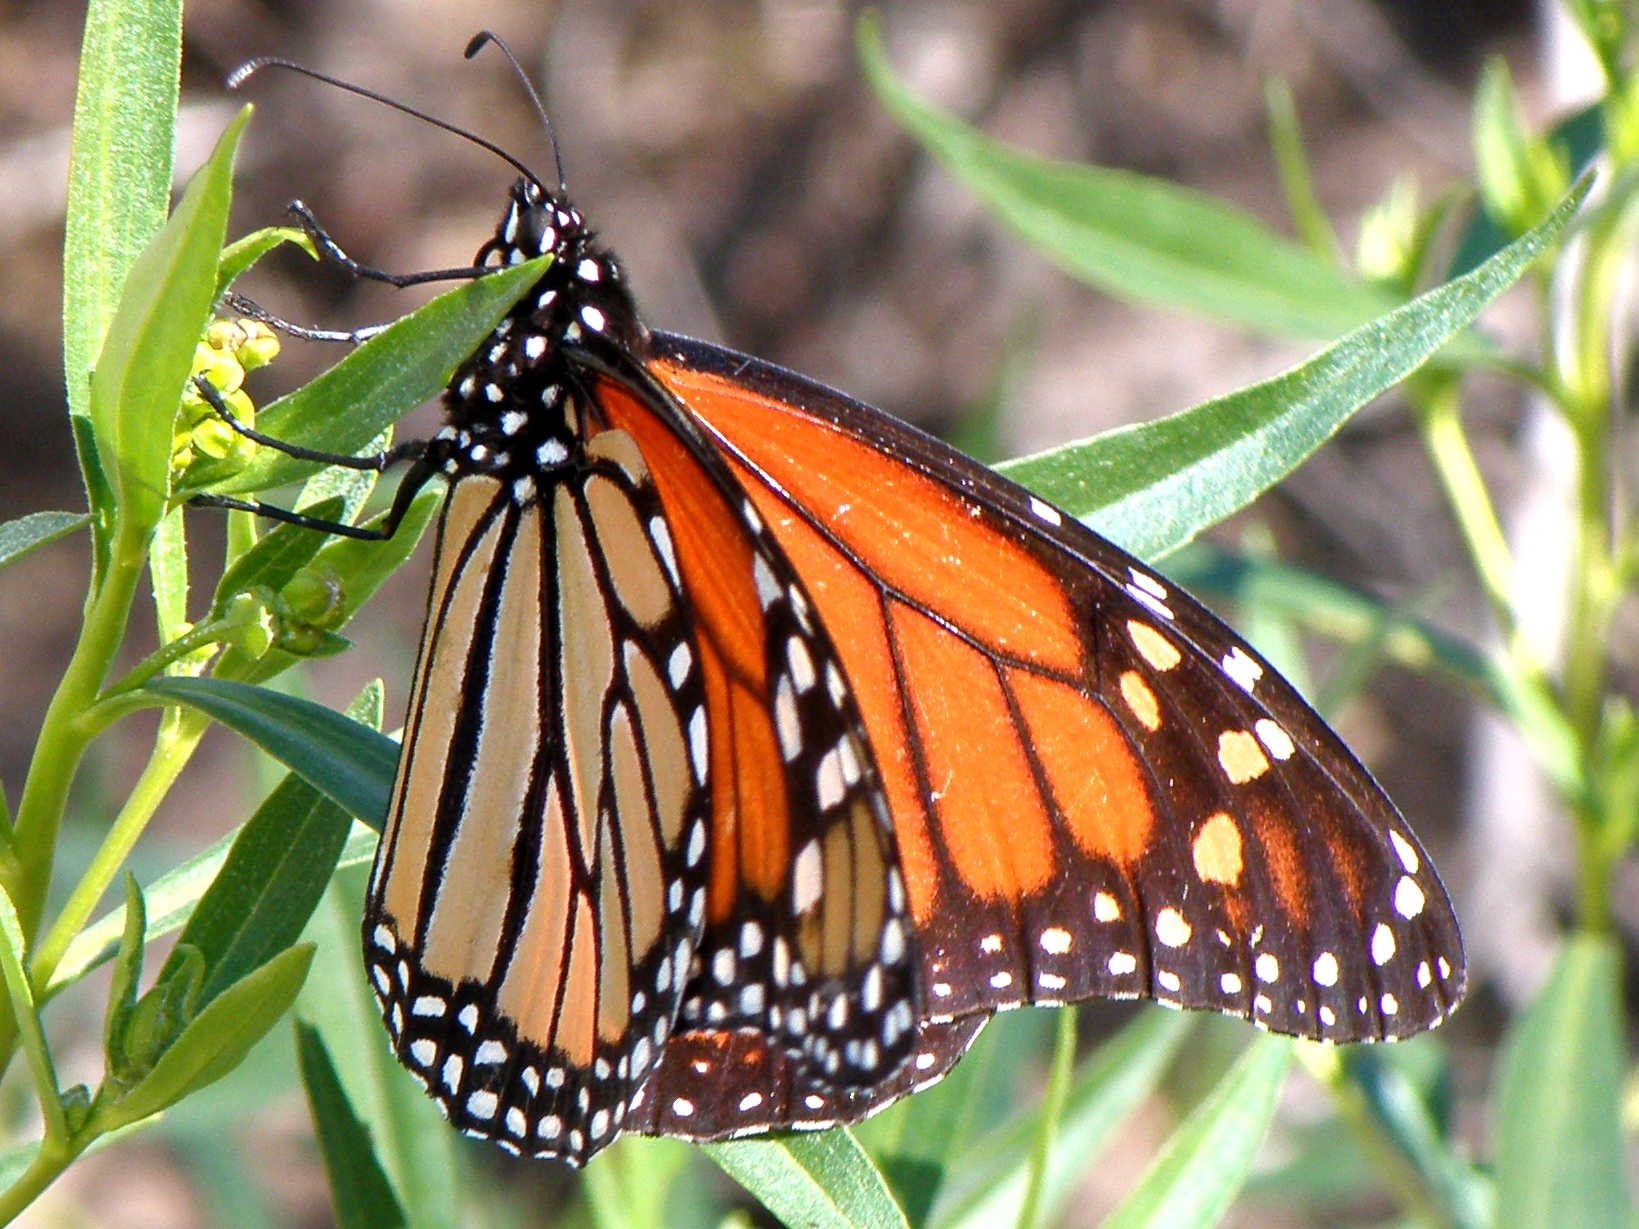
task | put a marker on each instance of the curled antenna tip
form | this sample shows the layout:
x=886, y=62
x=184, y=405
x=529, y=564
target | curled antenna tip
x=244, y=72
x=476, y=43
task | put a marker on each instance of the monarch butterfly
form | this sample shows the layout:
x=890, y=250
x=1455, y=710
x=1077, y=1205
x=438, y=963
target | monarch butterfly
x=761, y=746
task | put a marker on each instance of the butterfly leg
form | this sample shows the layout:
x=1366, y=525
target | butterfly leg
x=332, y=252
x=409, y=450
x=253, y=310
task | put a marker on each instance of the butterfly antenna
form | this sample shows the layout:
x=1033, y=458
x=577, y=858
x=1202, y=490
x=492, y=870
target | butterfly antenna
x=489, y=36
x=243, y=73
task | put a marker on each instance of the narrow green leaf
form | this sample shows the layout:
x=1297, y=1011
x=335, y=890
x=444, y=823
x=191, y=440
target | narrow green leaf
x=1561, y=1157
x=99, y=494
x=268, y=887
x=119, y=175
x=215, y=1041
x=241, y=254
x=820, y=1181
x=370, y=389
x=1581, y=138
x=1154, y=486
x=122, y=990
x=29, y=533
x=989, y=1184
x=359, y=1191
x=348, y=762
x=171, y=900
x=413, y=1143
x=1133, y=235
x=1190, y=1185
x=168, y=571
x=928, y=1144
x=1519, y=174
x=148, y=353
x=352, y=486
x=1445, y=1179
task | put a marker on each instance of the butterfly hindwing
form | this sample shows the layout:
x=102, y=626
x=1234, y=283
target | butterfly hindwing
x=1097, y=788
x=718, y=1085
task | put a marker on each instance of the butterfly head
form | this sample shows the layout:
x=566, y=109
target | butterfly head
x=511, y=407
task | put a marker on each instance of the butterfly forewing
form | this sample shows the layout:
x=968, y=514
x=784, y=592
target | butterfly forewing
x=529, y=924
x=1097, y=789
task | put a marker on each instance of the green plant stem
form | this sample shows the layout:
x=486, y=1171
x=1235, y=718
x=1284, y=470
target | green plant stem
x=44, y=1072
x=1438, y=403
x=1058, y=1088
x=1587, y=383
x=179, y=734
x=63, y=737
x=48, y=1163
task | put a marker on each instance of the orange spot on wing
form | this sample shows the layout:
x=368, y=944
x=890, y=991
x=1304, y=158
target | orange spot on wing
x=1280, y=849
x=1095, y=777
x=984, y=797
x=1217, y=850
x=915, y=534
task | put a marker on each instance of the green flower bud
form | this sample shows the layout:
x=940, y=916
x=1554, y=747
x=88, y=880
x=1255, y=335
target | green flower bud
x=316, y=598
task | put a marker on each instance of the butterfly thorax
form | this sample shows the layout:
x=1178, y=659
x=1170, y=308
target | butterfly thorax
x=512, y=409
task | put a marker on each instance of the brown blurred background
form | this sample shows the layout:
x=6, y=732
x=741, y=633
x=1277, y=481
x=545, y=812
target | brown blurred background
x=731, y=153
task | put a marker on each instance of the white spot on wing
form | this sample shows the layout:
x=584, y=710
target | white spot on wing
x=1046, y=511
x=1242, y=669
x=1408, y=898
x=1275, y=740
x=1406, y=851
x=807, y=878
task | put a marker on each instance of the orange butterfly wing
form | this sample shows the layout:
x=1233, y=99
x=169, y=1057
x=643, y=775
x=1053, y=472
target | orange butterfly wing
x=1095, y=787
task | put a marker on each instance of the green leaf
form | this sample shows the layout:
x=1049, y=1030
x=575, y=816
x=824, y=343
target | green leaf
x=119, y=175
x=268, y=887
x=241, y=254
x=359, y=1190
x=928, y=1144
x=1133, y=235
x=1580, y=137
x=820, y=1181
x=348, y=762
x=1405, y=1118
x=168, y=571
x=1154, y=486
x=990, y=1183
x=122, y=990
x=214, y=1042
x=1520, y=175
x=148, y=353
x=1190, y=1185
x=413, y=1143
x=390, y=374
x=29, y=533
x=1561, y=1157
